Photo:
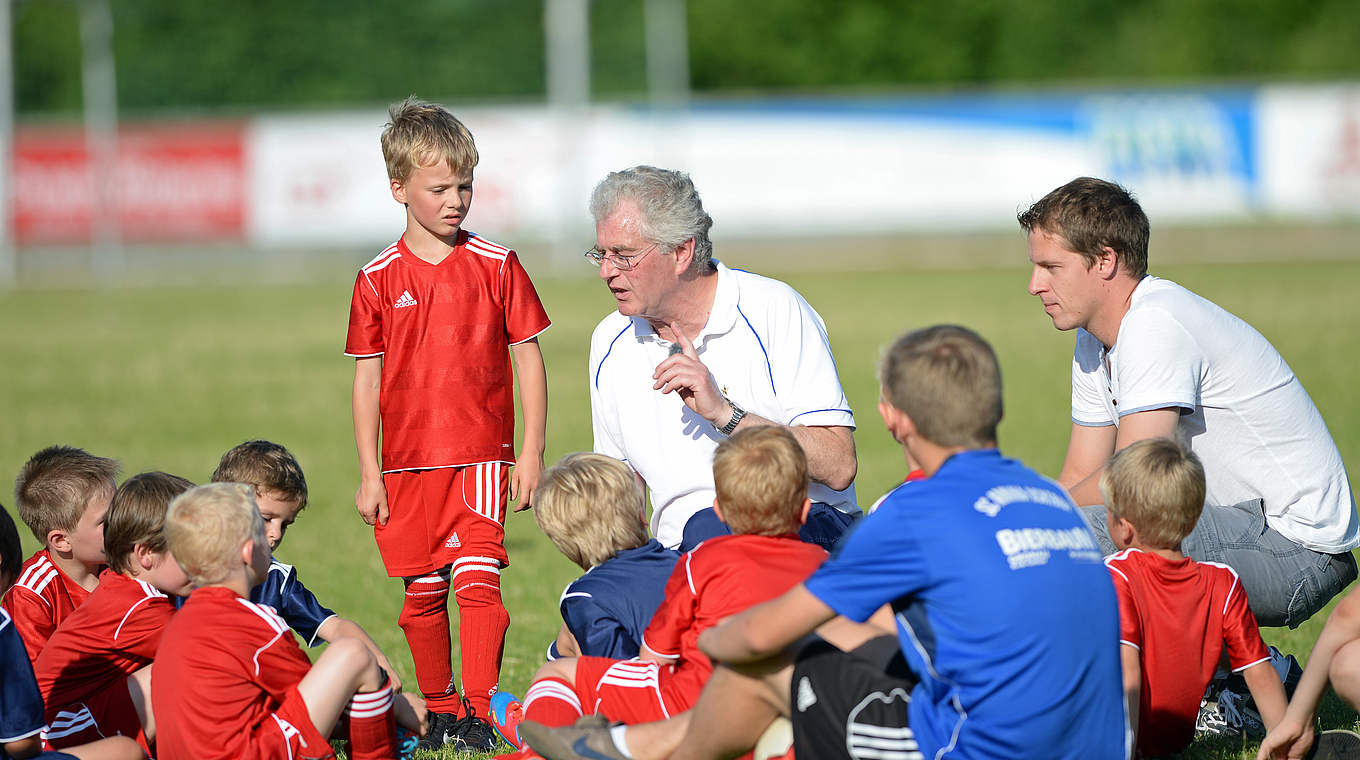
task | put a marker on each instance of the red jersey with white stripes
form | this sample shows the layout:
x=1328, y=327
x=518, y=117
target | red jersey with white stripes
x=444, y=332
x=112, y=635
x=718, y=578
x=41, y=598
x=225, y=668
x=1179, y=615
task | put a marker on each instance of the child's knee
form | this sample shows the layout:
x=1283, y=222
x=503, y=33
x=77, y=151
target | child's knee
x=563, y=668
x=1345, y=672
x=352, y=656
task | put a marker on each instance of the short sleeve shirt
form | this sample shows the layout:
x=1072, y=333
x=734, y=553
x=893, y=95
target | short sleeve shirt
x=21, y=706
x=769, y=352
x=1242, y=409
x=283, y=591
x=112, y=635
x=609, y=607
x=443, y=332
x=1180, y=616
x=40, y=599
x=225, y=666
x=1003, y=609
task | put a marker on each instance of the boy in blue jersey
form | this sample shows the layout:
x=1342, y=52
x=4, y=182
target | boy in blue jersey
x=21, y=706
x=281, y=493
x=591, y=507
x=1007, y=630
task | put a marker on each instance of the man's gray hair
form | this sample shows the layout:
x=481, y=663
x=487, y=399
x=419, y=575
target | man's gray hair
x=670, y=207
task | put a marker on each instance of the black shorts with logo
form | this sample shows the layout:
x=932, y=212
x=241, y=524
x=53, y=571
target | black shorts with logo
x=853, y=704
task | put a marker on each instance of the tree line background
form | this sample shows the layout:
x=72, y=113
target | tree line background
x=194, y=55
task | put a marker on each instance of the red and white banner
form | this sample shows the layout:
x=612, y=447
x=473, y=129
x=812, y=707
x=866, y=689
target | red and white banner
x=169, y=184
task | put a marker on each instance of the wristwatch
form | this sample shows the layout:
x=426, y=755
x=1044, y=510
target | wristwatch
x=737, y=415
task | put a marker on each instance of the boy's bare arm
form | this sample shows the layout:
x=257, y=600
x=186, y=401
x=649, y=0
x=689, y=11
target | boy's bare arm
x=1132, y=668
x=1267, y=691
x=767, y=628
x=533, y=399
x=1294, y=735
x=566, y=643
x=371, y=498
x=336, y=627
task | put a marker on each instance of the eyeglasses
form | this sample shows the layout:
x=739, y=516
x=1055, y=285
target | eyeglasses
x=620, y=261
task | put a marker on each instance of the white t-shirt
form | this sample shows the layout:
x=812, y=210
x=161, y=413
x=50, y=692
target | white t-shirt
x=768, y=351
x=1242, y=410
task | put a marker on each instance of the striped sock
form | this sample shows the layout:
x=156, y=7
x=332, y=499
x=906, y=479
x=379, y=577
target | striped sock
x=372, y=725
x=552, y=702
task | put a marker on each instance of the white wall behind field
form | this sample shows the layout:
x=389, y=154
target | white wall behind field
x=766, y=169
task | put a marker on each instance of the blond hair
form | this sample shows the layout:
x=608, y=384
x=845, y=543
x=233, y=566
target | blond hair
x=947, y=379
x=137, y=516
x=1156, y=484
x=590, y=506
x=421, y=134
x=761, y=479
x=56, y=485
x=206, y=527
x=268, y=467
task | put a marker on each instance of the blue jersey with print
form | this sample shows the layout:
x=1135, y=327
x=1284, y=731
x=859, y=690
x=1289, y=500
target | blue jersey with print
x=609, y=607
x=283, y=590
x=1003, y=608
x=21, y=706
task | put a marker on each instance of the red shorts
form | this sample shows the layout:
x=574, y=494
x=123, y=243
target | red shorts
x=108, y=713
x=438, y=516
x=631, y=691
x=288, y=734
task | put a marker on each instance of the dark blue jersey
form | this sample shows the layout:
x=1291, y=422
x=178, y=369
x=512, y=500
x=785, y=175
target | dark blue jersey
x=283, y=590
x=21, y=706
x=1003, y=608
x=609, y=607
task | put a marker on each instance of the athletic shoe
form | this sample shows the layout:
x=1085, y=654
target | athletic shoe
x=588, y=742
x=471, y=733
x=406, y=744
x=506, y=713
x=1229, y=715
x=1336, y=744
x=440, y=731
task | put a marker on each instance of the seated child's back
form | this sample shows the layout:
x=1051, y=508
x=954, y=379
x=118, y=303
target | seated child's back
x=592, y=509
x=1177, y=614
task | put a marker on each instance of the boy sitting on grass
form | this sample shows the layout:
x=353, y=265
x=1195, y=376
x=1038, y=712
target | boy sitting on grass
x=230, y=680
x=761, y=479
x=63, y=493
x=1176, y=615
x=95, y=672
x=281, y=493
x=21, y=707
x=591, y=508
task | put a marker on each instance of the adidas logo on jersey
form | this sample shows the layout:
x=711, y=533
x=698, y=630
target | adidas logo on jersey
x=405, y=300
x=453, y=542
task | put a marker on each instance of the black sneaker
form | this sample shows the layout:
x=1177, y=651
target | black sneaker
x=471, y=733
x=440, y=731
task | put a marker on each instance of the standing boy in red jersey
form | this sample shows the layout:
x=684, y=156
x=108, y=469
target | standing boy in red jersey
x=433, y=323
x=231, y=683
x=63, y=493
x=95, y=672
x=1177, y=616
x=761, y=478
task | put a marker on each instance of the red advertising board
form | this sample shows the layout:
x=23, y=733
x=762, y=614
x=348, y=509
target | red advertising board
x=181, y=183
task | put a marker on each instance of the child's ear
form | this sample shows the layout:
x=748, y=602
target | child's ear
x=803, y=513
x=248, y=553
x=399, y=191
x=58, y=539
x=143, y=556
x=717, y=510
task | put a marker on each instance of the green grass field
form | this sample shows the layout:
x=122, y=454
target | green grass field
x=170, y=377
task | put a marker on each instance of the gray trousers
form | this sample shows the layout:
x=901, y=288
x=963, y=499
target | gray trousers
x=1285, y=583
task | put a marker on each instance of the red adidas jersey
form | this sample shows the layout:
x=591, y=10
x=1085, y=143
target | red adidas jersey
x=112, y=635
x=718, y=578
x=444, y=332
x=41, y=598
x=224, y=670
x=1179, y=616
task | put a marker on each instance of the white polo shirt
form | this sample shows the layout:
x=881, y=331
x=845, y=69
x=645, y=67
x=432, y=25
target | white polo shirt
x=1242, y=410
x=768, y=351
